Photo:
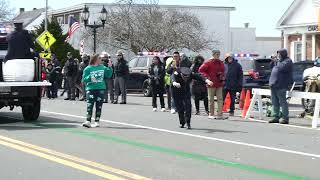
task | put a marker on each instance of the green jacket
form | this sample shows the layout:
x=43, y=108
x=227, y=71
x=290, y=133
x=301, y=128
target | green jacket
x=167, y=78
x=100, y=72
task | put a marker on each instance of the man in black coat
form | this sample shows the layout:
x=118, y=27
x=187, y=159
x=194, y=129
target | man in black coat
x=19, y=43
x=280, y=80
x=233, y=81
x=121, y=71
x=71, y=72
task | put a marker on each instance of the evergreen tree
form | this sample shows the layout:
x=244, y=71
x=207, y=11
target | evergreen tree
x=60, y=48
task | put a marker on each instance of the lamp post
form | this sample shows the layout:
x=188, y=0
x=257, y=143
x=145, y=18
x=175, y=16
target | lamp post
x=103, y=17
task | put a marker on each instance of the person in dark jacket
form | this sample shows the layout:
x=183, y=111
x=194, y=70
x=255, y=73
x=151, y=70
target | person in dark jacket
x=157, y=73
x=82, y=66
x=51, y=76
x=233, y=81
x=107, y=62
x=71, y=72
x=181, y=80
x=199, y=88
x=280, y=80
x=19, y=43
x=121, y=75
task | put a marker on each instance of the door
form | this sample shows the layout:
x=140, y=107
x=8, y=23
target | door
x=141, y=71
x=132, y=75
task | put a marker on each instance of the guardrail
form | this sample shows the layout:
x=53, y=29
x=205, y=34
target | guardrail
x=257, y=93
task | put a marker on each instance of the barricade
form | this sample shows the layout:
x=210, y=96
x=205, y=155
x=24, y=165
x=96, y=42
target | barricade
x=257, y=93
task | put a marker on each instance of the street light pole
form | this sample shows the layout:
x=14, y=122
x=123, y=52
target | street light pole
x=94, y=26
x=46, y=18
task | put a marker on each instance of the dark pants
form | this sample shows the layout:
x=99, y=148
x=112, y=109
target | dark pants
x=120, y=86
x=71, y=87
x=51, y=91
x=110, y=90
x=279, y=99
x=184, y=109
x=168, y=90
x=157, y=89
x=94, y=97
x=197, y=98
x=233, y=94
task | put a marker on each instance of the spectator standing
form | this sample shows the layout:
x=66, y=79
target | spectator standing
x=199, y=89
x=233, y=82
x=121, y=75
x=280, y=80
x=71, y=71
x=213, y=70
x=157, y=73
x=106, y=60
x=51, y=76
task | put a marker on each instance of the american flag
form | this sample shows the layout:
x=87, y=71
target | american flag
x=73, y=26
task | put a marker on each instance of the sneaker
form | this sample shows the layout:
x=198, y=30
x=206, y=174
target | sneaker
x=231, y=113
x=87, y=124
x=274, y=121
x=173, y=111
x=220, y=118
x=197, y=113
x=95, y=124
x=211, y=117
x=163, y=110
x=154, y=109
x=284, y=122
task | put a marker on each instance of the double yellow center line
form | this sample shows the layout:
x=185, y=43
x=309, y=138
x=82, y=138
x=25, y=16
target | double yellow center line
x=70, y=161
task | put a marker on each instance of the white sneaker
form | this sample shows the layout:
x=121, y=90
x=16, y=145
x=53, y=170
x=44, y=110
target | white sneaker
x=173, y=111
x=87, y=124
x=163, y=110
x=211, y=117
x=95, y=124
x=154, y=109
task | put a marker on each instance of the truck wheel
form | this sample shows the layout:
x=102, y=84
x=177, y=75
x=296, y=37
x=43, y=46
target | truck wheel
x=146, y=89
x=31, y=112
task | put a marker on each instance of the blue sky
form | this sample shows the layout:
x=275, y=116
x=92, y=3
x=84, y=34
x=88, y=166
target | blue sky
x=262, y=14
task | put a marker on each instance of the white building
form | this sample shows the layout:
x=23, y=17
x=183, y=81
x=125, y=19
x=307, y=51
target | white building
x=215, y=19
x=299, y=25
x=244, y=40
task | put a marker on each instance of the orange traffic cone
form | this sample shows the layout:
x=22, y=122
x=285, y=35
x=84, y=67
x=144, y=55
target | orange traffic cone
x=242, y=98
x=246, y=104
x=227, y=103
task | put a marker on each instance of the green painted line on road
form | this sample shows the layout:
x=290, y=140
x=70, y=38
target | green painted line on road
x=188, y=155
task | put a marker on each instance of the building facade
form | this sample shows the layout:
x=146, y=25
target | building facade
x=300, y=32
x=215, y=19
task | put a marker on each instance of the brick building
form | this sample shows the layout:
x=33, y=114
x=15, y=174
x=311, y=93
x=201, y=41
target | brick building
x=299, y=26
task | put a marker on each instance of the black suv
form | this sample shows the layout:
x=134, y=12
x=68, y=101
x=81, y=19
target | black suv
x=256, y=72
x=138, y=72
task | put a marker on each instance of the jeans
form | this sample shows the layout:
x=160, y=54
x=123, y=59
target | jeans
x=279, y=99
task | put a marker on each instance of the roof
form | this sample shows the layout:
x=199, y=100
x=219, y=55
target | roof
x=81, y=6
x=289, y=12
x=28, y=17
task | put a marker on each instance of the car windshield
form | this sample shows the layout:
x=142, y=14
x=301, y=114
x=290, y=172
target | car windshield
x=262, y=65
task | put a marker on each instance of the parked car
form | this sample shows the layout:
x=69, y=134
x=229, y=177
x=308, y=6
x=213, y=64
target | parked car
x=138, y=72
x=256, y=71
x=297, y=73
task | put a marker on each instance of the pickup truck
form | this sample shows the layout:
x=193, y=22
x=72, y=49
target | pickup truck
x=27, y=95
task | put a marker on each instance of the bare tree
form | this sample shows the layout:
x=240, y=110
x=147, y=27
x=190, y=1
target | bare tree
x=5, y=10
x=144, y=25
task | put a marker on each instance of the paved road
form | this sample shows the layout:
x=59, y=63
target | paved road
x=135, y=143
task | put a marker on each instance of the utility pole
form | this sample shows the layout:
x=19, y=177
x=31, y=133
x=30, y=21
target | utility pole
x=46, y=18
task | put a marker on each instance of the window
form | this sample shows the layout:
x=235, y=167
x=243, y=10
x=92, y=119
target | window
x=143, y=62
x=133, y=62
x=60, y=20
x=298, y=51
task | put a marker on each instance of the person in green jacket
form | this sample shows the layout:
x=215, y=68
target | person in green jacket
x=94, y=76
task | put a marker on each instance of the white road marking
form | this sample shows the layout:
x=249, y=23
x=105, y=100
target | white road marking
x=197, y=136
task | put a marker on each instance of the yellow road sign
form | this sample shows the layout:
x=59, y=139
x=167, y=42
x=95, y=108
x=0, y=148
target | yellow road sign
x=45, y=55
x=46, y=40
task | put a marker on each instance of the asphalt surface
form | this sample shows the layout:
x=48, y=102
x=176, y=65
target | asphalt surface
x=135, y=143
